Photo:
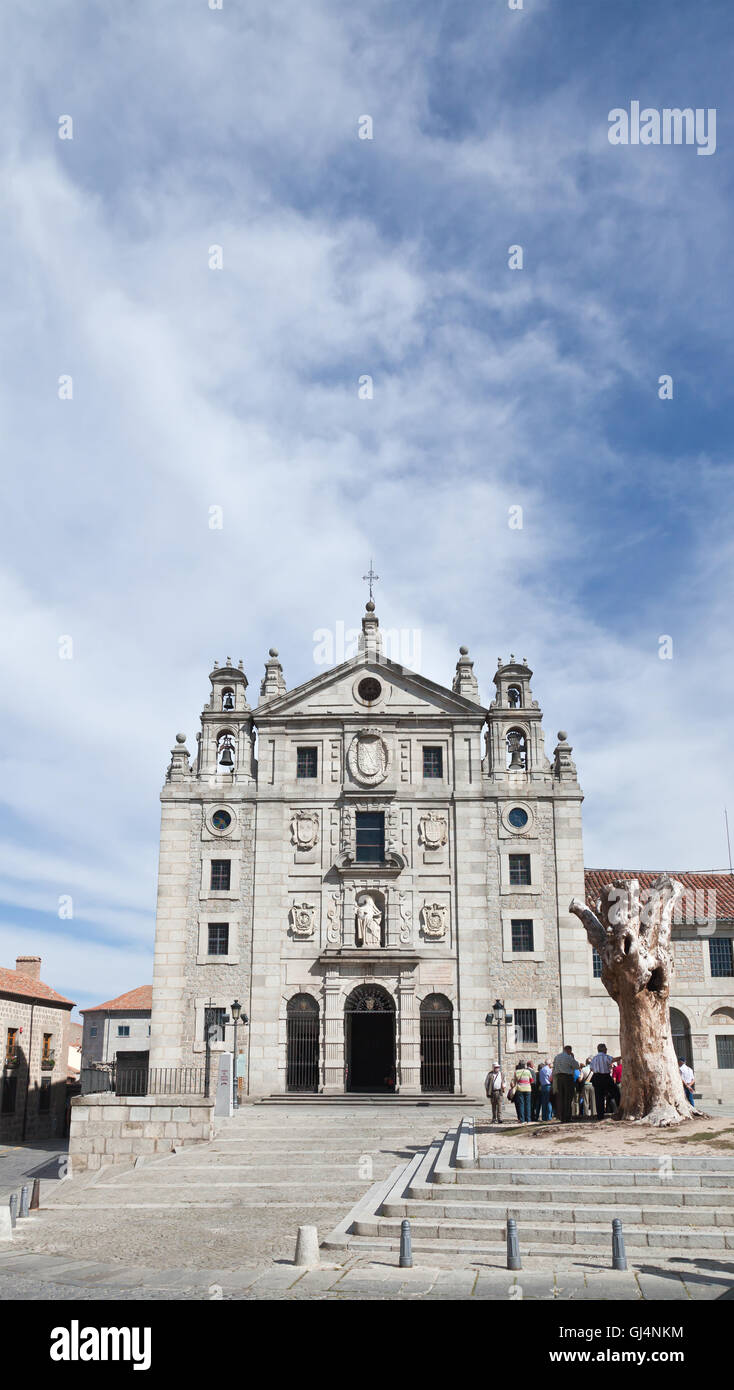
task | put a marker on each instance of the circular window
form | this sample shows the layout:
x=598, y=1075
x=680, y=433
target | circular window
x=221, y=820
x=369, y=689
x=518, y=817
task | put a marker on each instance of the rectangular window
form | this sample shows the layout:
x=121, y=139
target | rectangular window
x=725, y=1051
x=46, y=1053
x=220, y=874
x=11, y=1042
x=720, y=955
x=123, y=1030
x=595, y=963
x=214, y=1021
x=526, y=1026
x=307, y=762
x=433, y=762
x=519, y=868
x=93, y=1031
x=218, y=938
x=10, y=1086
x=522, y=934
x=370, y=837
x=44, y=1096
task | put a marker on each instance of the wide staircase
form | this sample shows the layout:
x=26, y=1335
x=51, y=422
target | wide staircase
x=458, y=1201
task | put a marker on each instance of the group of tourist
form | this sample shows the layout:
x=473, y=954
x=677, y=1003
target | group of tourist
x=566, y=1089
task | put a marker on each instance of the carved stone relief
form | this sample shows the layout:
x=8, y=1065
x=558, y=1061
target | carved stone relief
x=368, y=758
x=433, y=830
x=305, y=829
x=303, y=917
x=433, y=920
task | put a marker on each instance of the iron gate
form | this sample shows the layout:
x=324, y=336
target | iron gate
x=302, y=1044
x=437, y=1044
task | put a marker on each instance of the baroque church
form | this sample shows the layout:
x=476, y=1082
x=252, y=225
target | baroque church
x=370, y=863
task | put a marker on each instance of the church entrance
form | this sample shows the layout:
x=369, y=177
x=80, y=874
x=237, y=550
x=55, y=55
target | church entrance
x=369, y=1024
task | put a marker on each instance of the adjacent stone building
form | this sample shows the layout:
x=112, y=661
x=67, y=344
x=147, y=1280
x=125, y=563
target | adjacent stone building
x=34, y=1024
x=366, y=863
x=118, y=1030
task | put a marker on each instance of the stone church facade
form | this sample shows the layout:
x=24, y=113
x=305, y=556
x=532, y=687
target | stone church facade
x=367, y=862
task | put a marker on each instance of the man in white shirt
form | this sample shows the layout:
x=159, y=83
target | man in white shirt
x=601, y=1080
x=688, y=1080
x=495, y=1085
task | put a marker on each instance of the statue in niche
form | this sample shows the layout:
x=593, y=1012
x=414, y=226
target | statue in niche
x=368, y=920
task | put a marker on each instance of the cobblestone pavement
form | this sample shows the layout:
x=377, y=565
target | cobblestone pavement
x=21, y=1163
x=39, y=1277
x=219, y=1221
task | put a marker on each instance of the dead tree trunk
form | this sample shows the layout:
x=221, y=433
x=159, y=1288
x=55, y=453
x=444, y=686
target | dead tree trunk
x=633, y=940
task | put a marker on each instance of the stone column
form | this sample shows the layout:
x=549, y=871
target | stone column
x=409, y=1067
x=333, y=1063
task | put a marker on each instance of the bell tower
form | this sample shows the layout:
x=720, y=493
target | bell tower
x=226, y=740
x=515, y=742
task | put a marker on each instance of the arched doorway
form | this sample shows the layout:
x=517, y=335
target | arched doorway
x=681, y=1031
x=302, y=1044
x=369, y=1024
x=437, y=1043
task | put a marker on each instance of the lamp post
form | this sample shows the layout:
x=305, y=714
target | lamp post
x=237, y=1017
x=496, y=1016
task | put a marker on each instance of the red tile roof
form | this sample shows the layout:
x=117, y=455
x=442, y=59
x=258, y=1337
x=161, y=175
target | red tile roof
x=705, y=883
x=14, y=982
x=135, y=999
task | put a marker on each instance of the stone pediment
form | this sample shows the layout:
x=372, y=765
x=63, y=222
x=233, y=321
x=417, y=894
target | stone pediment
x=402, y=694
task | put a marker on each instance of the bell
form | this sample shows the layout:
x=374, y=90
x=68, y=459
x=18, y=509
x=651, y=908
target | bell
x=514, y=744
x=226, y=759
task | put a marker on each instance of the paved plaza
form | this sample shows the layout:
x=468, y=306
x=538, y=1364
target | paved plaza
x=219, y=1220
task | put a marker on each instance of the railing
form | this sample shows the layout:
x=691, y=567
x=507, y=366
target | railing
x=144, y=1081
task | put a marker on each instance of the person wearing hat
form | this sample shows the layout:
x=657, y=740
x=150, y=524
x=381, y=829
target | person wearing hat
x=495, y=1087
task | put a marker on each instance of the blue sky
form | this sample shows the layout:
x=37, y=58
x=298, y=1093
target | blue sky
x=238, y=388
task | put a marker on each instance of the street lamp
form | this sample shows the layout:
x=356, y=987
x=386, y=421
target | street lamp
x=497, y=1016
x=237, y=1017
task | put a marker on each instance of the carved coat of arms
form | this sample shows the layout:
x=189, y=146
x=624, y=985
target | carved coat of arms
x=305, y=829
x=368, y=758
x=302, y=917
x=434, y=920
x=434, y=830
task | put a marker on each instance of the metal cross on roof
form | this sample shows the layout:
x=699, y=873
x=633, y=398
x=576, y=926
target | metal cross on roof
x=371, y=578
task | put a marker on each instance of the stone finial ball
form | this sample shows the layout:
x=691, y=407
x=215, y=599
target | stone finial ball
x=180, y=738
x=273, y=652
x=370, y=606
x=463, y=651
x=562, y=735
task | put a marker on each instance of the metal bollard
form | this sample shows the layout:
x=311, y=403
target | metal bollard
x=619, y=1258
x=13, y=1204
x=406, y=1254
x=36, y=1194
x=25, y=1193
x=513, y=1246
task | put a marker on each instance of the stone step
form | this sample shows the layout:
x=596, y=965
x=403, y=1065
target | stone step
x=565, y=1234
x=541, y=1214
x=599, y=1163
x=587, y=1178
x=514, y=1194
x=436, y=1098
